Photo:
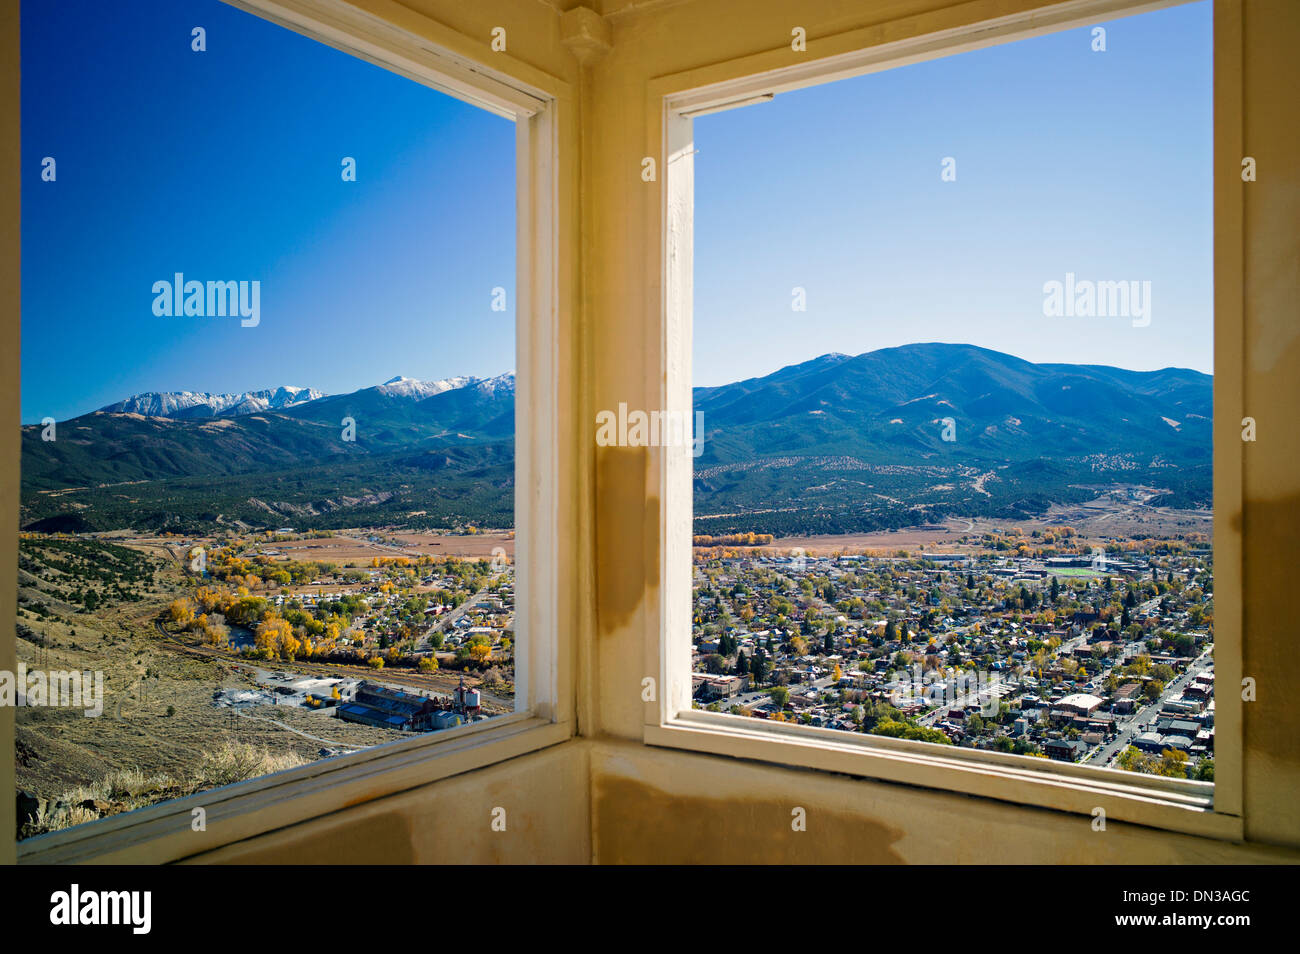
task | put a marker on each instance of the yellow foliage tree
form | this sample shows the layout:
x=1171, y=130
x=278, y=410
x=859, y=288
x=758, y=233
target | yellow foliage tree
x=272, y=632
x=180, y=611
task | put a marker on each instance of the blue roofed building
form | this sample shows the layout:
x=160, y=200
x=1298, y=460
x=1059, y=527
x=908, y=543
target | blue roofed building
x=388, y=708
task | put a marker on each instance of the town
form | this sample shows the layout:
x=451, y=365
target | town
x=244, y=652
x=1041, y=644
x=400, y=609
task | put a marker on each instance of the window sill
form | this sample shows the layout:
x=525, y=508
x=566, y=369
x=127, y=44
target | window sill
x=162, y=833
x=1171, y=804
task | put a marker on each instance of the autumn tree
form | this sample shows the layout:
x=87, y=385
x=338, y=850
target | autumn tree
x=180, y=611
x=274, y=633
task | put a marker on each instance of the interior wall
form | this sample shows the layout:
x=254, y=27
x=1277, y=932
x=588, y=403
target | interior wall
x=656, y=805
x=535, y=807
x=659, y=806
x=1271, y=134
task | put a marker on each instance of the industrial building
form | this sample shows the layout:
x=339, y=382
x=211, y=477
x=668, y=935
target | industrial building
x=388, y=708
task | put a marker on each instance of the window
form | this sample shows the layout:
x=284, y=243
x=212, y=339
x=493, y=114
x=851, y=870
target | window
x=283, y=370
x=932, y=535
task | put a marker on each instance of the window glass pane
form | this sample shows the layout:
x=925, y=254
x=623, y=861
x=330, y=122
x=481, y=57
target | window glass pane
x=953, y=352
x=267, y=402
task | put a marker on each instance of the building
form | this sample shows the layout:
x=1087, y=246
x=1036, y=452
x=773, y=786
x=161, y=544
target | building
x=1126, y=697
x=1064, y=750
x=388, y=708
x=1150, y=742
x=466, y=700
x=1079, y=703
x=720, y=687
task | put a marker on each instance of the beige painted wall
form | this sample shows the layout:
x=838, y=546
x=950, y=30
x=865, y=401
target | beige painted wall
x=704, y=808
x=654, y=806
x=1271, y=124
x=546, y=810
x=608, y=797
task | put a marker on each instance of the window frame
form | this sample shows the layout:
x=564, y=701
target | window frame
x=1213, y=810
x=428, y=53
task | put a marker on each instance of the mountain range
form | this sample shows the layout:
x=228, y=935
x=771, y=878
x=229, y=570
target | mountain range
x=888, y=438
x=189, y=405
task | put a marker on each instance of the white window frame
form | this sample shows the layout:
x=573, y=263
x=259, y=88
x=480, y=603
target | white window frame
x=1213, y=810
x=423, y=51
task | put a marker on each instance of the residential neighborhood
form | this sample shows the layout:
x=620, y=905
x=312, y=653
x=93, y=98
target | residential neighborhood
x=1046, y=645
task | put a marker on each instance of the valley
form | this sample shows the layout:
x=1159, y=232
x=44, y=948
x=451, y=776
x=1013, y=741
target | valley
x=241, y=669
x=840, y=444
x=248, y=569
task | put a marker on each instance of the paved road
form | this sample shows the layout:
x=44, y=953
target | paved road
x=757, y=697
x=972, y=699
x=447, y=619
x=1131, y=727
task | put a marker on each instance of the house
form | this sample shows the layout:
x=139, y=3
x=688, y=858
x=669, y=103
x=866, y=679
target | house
x=1125, y=698
x=1079, y=703
x=1064, y=750
x=1150, y=742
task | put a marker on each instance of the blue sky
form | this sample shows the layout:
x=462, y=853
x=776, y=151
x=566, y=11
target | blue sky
x=225, y=165
x=1067, y=160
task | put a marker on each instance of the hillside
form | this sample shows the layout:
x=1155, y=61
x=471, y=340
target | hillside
x=838, y=443
x=845, y=443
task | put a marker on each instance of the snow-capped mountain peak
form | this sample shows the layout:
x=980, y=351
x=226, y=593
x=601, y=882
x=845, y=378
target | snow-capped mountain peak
x=188, y=405
x=191, y=404
x=501, y=384
x=402, y=386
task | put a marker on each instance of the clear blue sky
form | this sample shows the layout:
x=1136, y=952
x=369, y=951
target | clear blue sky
x=225, y=165
x=1068, y=160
